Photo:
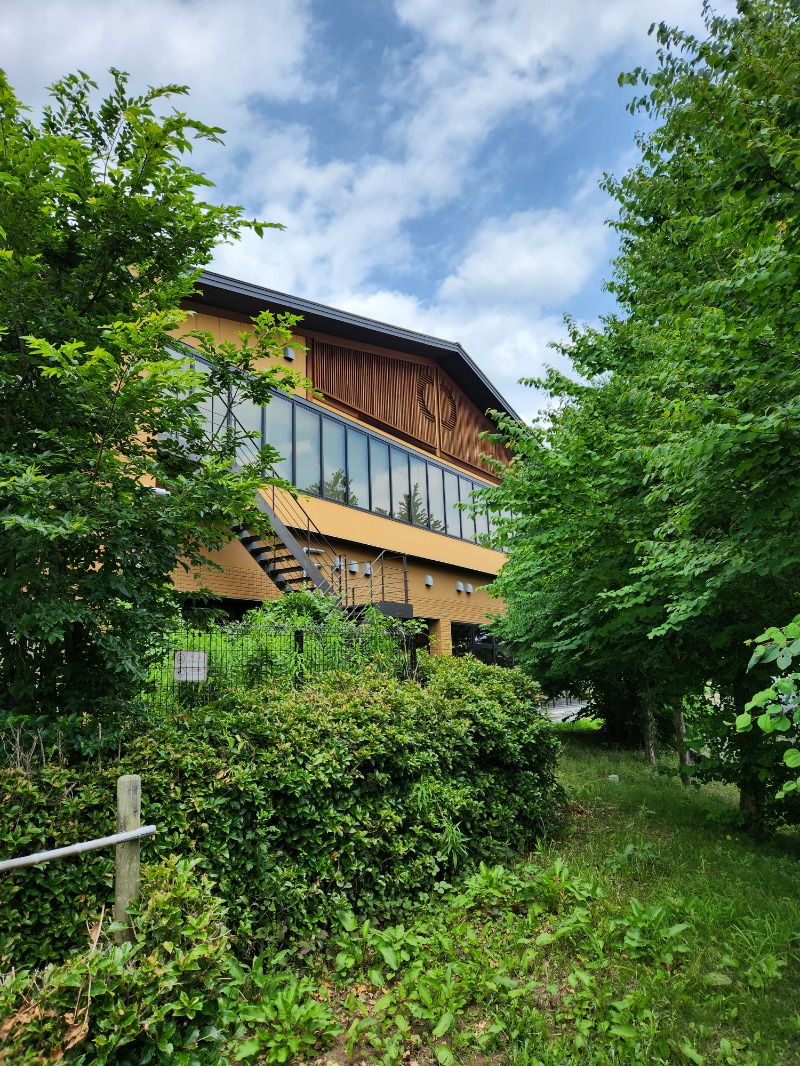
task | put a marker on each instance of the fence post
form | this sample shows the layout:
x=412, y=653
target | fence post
x=299, y=644
x=126, y=871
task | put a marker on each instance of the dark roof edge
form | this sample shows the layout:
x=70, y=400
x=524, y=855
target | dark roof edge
x=209, y=281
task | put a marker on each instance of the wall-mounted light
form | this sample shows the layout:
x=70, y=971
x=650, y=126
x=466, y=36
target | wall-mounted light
x=337, y=562
x=367, y=569
x=428, y=581
x=353, y=567
x=288, y=354
x=459, y=586
x=469, y=588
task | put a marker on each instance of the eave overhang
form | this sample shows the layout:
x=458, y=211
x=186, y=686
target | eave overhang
x=244, y=298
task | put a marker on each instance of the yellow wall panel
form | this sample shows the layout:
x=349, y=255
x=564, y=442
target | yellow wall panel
x=361, y=536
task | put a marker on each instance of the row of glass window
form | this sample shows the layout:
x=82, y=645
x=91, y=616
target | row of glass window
x=471, y=639
x=325, y=456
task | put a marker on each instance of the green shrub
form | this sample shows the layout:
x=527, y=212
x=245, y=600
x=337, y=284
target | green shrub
x=348, y=792
x=176, y=995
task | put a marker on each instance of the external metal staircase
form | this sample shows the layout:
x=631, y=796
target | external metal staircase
x=298, y=556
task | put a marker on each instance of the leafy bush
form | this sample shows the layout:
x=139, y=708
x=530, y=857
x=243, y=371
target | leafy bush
x=176, y=995
x=356, y=792
x=756, y=749
x=779, y=704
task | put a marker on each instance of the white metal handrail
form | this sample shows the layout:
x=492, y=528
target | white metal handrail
x=39, y=857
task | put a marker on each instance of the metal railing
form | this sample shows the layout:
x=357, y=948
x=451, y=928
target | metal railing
x=127, y=841
x=382, y=579
x=192, y=666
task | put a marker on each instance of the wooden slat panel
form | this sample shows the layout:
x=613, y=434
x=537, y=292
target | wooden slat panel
x=416, y=398
x=461, y=422
x=396, y=392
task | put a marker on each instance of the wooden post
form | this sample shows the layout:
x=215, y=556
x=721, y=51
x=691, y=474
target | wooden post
x=126, y=873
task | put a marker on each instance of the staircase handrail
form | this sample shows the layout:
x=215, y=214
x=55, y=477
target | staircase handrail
x=289, y=511
x=292, y=513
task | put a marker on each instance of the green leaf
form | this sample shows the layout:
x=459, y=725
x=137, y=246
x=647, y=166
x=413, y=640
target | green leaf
x=248, y=1048
x=691, y=1053
x=743, y=722
x=784, y=660
x=792, y=758
x=390, y=956
x=444, y=1055
x=347, y=920
x=676, y=930
x=444, y=1024
x=627, y=1032
x=757, y=655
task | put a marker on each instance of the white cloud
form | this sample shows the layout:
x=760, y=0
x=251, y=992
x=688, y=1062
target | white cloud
x=542, y=258
x=470, y=67
x=224, y=52
x=504, y=298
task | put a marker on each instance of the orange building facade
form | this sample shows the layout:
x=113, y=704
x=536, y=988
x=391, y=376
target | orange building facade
x=383, y=450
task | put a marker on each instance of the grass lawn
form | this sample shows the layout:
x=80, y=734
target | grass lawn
x=651, y=933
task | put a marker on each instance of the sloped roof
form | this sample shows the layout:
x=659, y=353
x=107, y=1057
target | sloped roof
x=230, y=294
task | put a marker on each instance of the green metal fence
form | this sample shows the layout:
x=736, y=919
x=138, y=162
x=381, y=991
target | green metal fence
x=192, y=666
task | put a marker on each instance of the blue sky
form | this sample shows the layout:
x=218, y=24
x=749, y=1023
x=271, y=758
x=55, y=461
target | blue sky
x=435, y=163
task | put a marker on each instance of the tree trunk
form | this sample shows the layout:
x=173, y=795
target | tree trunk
x=752, y=791
x=751, y=804
x=650, y=752
x=684, y=762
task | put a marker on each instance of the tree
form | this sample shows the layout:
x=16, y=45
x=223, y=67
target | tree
x=697, y=374
x=103, y=233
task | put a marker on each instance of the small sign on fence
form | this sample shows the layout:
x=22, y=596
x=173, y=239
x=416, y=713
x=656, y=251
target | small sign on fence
x=191, y=665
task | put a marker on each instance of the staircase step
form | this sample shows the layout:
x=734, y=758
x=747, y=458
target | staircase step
x=284, y=571
x=289, y=563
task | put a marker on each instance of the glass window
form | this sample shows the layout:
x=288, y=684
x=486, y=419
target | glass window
x=467, y=521
x=461, y=637
x=451, y=504
x=333, y=462
x=436, y=497
x=482, y=525
x=307, y=450
x=278, y=433
x=400, y=492
x=357, y=469
x=379, y=476
x=419, y=492
x=214, y=409
x=327, y=457
x=248, y=420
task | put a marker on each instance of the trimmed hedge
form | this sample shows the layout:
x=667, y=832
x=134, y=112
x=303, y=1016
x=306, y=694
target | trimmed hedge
x=357, y=792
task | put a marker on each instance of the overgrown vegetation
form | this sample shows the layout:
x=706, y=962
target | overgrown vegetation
x=103, y=227
x=613, y=946
x=351, y=791
x=297, y=637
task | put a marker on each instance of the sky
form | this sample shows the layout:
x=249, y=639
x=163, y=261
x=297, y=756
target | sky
x=435, y=163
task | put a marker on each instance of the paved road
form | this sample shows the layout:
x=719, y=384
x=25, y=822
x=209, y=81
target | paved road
x=562, y=714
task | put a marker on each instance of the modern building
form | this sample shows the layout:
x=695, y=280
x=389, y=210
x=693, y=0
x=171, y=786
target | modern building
x=382, y=452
